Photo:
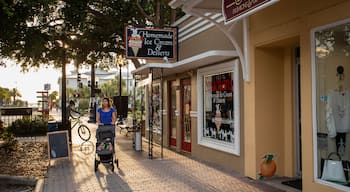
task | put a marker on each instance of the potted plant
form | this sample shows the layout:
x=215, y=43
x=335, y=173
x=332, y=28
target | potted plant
x=267, y=166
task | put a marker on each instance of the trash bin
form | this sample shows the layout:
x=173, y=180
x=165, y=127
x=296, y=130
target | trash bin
x=52, y=126
x=55, y=126
x=138, y=140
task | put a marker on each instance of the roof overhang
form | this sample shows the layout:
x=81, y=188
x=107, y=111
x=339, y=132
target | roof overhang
x=194, y=62
x=236, y=32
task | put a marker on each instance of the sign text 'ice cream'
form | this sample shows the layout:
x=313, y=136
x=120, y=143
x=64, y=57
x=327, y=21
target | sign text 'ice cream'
x=151, y=43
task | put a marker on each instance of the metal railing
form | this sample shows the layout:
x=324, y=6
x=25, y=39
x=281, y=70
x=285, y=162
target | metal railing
x=11, y=114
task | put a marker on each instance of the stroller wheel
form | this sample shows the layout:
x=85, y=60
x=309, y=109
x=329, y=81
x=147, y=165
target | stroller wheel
x=96, y=165
x=112, y=167
x=117, y=163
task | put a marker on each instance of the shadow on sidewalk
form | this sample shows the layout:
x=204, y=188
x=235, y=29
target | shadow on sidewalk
x=77, y=174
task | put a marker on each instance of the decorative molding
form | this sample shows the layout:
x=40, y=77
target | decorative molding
x=193, y=113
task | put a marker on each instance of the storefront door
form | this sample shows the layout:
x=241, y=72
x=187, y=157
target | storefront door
x=185, y=114
x=173, y=113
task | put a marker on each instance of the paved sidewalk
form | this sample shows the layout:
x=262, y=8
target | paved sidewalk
x=136, y=172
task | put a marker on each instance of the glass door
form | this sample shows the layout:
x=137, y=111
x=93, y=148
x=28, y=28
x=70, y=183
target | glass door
x=185, y=114
x=172, y=114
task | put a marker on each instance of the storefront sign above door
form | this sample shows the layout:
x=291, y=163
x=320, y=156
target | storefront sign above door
x=151, y=43
x=236, y=9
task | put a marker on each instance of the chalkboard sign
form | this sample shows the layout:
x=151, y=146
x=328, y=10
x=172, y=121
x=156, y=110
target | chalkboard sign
x=58, y=144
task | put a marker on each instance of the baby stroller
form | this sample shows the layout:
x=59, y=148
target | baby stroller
x=105, y=146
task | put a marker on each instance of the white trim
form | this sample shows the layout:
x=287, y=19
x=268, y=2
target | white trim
x=194, y=33
x=182, y=19
x=314, y=106
x=195, y=21
x=186, y=61
x=143, y=82
x=233, y=148
x=164, y=112
x=193, y=114
x=229, y=35
x=195, y=27
x=246, y=68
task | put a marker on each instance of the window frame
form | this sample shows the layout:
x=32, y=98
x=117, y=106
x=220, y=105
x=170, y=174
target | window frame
x=230, y=66
x=314, y=103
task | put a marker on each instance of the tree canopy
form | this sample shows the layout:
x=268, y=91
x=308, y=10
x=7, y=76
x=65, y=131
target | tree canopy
x=44, y=32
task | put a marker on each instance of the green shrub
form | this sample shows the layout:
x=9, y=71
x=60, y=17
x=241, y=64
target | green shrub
x=29, y=127
x=7, y=136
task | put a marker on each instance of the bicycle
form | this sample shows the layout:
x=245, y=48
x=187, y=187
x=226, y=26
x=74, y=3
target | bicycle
x=83, y=131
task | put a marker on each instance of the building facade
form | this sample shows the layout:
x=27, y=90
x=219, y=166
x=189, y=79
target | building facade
x=272, y=82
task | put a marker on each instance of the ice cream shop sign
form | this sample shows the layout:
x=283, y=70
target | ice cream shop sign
x=151, y=43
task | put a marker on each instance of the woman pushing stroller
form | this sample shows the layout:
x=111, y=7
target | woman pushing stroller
x=106, y=114
x=105, y=133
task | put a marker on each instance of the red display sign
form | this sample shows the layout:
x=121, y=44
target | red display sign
x=236, y=9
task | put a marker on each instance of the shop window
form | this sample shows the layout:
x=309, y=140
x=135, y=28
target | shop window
x=218, y=107
x=331, y=99
x=155, y=113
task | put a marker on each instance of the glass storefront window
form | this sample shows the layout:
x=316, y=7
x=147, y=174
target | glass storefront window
x=218, y=102
x=155, y=114
x=331, y=99
x=219, y=109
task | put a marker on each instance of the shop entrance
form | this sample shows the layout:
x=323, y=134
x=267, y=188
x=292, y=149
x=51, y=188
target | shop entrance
x=185, y=114
x=173, y=113
x=277, y=99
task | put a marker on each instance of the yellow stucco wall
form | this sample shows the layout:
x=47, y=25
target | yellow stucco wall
x=268, y=108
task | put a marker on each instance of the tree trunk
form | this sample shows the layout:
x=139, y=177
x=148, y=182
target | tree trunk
x=64, y=91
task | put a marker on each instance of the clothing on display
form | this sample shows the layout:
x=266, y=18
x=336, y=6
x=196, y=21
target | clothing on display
x=338, y=108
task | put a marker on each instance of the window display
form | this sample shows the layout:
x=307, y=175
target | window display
x=218, y=107
x=219, y=112
x=332, y=102
x=155, y=114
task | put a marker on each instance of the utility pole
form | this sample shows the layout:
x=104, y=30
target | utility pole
x=64, y=91
x=92, y=117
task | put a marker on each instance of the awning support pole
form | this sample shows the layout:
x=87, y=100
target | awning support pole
x=161, y=111
x=150, y=131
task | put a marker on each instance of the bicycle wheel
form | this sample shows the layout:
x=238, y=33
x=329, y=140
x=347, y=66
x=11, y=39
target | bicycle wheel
x=84, y=132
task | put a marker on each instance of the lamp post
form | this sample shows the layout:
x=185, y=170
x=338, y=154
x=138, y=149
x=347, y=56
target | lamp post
x=120, y=62
x=92, y=117
x=64, y=85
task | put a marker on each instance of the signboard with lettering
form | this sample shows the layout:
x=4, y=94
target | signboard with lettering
x=150, y=43
x=47, y=86
x=58, y=145
x=236, y=9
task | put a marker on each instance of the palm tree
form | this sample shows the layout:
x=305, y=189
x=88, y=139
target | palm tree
x=4, y=96
x=14, y=93
x=53, y=98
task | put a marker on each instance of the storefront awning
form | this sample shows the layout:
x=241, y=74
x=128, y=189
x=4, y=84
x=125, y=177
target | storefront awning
x=194, y=62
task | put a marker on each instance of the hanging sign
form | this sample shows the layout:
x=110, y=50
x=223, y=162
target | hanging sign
x=151, y=43
x=236, y=9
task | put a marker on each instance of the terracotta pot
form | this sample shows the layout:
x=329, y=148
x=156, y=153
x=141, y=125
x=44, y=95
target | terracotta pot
x=267, y=170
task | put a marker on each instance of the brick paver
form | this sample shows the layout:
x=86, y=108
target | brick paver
x=174, y=172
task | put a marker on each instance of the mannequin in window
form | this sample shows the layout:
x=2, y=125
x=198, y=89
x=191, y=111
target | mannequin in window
x=338, y=112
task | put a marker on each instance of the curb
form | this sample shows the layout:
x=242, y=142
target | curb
x=21, y=180
x=39, y=185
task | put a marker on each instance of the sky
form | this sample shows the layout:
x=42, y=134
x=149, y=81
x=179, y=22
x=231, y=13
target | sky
x=29, y=83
